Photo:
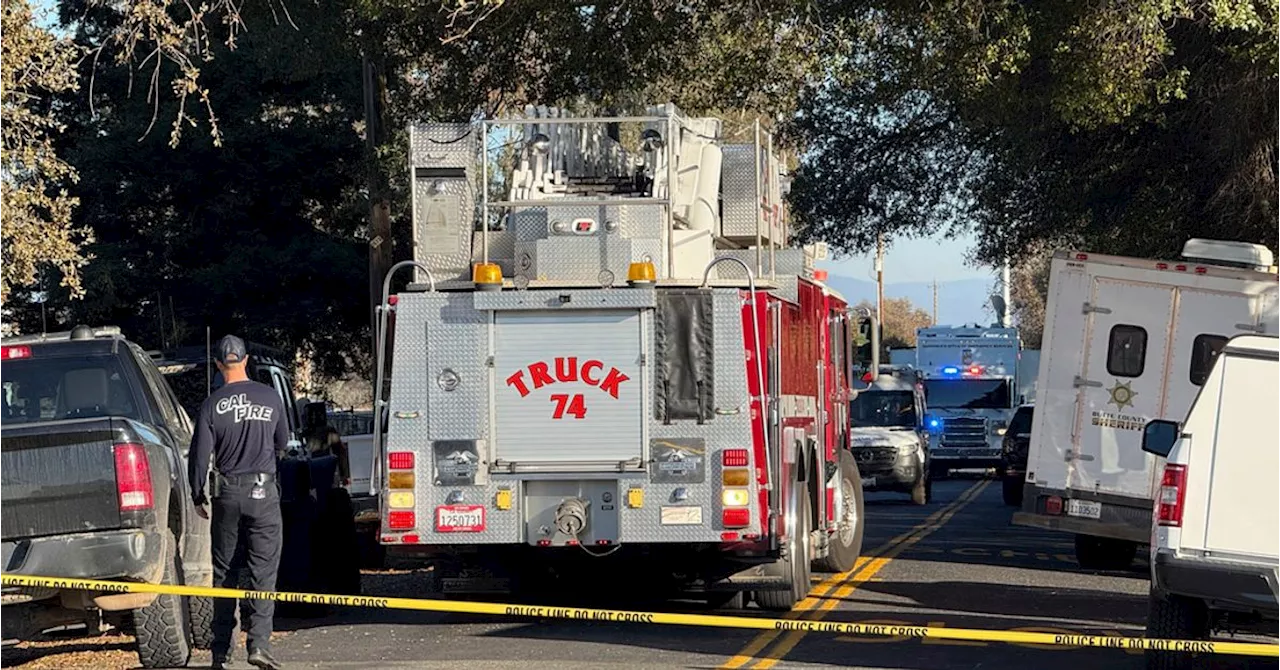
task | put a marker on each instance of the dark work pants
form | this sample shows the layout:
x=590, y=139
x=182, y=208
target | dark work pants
x=256, y=527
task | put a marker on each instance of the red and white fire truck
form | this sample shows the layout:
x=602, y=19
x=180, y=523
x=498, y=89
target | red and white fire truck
x=609, y=350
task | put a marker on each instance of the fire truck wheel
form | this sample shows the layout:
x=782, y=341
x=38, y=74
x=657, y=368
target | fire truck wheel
x=796, y=566
x=846, y=542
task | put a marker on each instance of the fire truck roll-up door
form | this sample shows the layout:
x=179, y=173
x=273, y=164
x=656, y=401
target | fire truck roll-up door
x=569, y=387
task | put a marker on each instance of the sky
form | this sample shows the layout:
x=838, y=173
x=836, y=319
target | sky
x=913, y=260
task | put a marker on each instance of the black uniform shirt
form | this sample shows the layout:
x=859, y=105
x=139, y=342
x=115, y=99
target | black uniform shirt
x=241, y=426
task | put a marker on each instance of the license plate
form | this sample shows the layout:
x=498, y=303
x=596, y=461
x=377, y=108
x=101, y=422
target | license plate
x=868, y=481
x=1084, y=508
x=460, y=519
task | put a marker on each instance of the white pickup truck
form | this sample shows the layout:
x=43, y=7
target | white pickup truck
x=1215, y=558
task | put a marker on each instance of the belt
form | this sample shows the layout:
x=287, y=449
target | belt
x=248, y=477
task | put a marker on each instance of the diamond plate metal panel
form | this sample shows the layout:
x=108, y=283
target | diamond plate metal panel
x=578, y=258
x=568, y=386
x=786, y=262
x=616, y=298
x=443, y=221
x=739, y=196
x=443, y=145
x=457, y=338
x=642, y=222
x=502, y=250
x=529, y=224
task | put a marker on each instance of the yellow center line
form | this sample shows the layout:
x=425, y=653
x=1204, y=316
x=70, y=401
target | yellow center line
x=793, y=638
x=864, y=569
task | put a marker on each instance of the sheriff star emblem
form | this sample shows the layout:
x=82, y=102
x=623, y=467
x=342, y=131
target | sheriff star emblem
x=1122, y=395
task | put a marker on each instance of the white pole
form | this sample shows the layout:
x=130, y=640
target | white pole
x=1006, y=319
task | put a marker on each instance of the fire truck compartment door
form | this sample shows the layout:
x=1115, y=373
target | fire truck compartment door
x=568, y=386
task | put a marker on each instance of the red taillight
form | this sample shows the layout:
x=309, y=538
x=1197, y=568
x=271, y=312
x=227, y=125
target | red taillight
x=392, y=300
x=11, y=353
x=1180, y=268
x=401, y=520
x=410, y=539
x=133, y=478
x=1202, y=270
x=400, y=460
x=1082, y=257
x=1173, y=490
x=735, y=517
x=734, y=458
x=729, y=537
x=1162, y=266
x=1053, y=506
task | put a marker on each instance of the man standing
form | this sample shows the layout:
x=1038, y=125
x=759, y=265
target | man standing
x=241, y=427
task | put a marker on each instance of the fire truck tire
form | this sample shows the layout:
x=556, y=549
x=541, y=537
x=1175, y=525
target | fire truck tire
x=797, y=564
x=846, y=542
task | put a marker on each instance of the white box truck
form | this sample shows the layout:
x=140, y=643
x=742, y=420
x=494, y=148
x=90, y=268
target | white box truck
x=1126, y=341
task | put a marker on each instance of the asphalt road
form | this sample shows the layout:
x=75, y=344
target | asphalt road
x=956, y=562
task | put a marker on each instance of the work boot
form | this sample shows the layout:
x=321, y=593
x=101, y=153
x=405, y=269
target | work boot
x=262, y=659
x=223, y=663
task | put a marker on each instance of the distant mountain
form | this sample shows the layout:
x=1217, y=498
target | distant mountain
x=959, y=302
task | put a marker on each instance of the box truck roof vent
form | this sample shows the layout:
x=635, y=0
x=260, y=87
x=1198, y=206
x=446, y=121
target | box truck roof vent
x=1230, y=254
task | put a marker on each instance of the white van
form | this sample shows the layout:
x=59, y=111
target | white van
x=1215, y=558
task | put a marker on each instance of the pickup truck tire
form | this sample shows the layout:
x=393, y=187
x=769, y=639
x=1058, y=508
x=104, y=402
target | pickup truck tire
x=200, y=611
x=1104, y=553
x=1173, y=617
x=162, y=628
x=797, y=564
x=1011, y=490
x=845, y=544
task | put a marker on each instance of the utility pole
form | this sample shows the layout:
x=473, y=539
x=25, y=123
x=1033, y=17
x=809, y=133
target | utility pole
x=379, y=208
x=1006, y=319
x=935, y=301
x=880, y=277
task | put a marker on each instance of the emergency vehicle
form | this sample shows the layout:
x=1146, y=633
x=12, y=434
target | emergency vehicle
x=620, y=355
x=970, y=376
x=1127, y=341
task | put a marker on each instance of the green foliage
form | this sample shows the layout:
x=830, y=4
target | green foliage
x=260, y=235
x=38, y=230
x=1123, y=127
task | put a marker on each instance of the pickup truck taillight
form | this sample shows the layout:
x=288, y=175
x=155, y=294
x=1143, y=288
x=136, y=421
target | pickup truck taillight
x=133, y=478
x=1173, y=490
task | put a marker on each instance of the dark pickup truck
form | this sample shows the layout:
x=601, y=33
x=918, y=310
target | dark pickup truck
x=93, y=462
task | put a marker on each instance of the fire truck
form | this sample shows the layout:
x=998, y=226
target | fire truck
x=608, y=354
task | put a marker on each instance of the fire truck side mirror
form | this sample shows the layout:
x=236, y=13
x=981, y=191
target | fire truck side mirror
x=866, y=355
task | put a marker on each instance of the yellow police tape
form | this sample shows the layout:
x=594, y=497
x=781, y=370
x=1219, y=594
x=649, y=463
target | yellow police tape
x=707, y=620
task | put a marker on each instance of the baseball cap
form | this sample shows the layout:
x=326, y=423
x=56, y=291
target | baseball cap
x=230, y=349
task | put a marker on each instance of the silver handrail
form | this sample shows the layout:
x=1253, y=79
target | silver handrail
x=375, y=479
x=755, y=334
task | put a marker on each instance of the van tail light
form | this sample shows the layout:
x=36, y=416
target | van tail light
x=133, y=478
x=14, y=353
x=1173, y=491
